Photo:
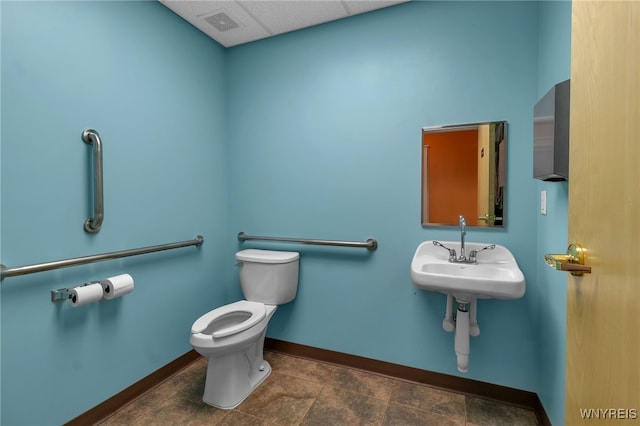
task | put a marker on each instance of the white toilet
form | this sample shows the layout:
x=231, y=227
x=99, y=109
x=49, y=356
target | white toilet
x=232, y=336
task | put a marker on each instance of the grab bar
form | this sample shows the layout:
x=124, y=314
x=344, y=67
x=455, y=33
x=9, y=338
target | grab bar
x=41, y=267
x=370, y=244
x=93, y=224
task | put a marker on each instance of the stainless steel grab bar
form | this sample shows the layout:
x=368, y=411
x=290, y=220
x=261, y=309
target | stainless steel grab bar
x=41, y=267
x=93, y=224
x=370, y=244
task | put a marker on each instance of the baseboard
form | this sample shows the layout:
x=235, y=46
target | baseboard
x=503, y=394
x=111, y=405
x=476, y=388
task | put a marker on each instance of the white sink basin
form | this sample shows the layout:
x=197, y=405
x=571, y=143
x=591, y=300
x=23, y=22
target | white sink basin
x=495, y=275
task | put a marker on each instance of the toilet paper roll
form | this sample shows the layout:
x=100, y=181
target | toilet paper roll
x=85, y=294
x=117, y=286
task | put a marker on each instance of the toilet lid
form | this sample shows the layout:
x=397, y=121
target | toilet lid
x=256, y=310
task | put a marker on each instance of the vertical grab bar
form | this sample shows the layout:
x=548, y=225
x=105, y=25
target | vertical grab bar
x=93, y=224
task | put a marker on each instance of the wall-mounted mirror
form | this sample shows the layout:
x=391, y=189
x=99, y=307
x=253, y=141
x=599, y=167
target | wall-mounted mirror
x=463, y=173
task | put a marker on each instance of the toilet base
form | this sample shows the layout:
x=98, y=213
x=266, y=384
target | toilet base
x=232, y=378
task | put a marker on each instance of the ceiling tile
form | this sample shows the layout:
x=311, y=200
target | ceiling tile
x=243, y=21
x=284, y=16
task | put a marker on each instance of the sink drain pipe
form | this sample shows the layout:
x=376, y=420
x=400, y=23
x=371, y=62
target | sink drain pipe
x=462, y=337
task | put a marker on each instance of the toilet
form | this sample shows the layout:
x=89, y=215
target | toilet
x=232, y=336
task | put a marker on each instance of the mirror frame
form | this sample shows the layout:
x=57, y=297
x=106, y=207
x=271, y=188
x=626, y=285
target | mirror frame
x=494, y=167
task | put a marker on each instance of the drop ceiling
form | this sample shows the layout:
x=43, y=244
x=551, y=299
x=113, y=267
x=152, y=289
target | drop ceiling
x=231, y=23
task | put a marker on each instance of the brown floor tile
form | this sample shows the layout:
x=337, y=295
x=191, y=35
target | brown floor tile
x=188, y=410
x=305, y=392
x=299, y=367
x=166, y=405
x=430, y=399
x=190, y=379
x=133, y=415
x=483, y=412
x=281, y=399
x=361, y=382
x=402, y=415
x=340, y=407
x=140, y=410
x=236, y=418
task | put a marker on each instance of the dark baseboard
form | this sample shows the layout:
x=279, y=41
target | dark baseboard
x=108, y=407
x=503, y=394
x=461, y=385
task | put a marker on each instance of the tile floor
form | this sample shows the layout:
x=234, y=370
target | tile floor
x=305, y=392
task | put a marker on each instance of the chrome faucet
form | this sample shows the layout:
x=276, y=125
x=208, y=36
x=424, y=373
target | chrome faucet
x=463, y=231
x=473, y=254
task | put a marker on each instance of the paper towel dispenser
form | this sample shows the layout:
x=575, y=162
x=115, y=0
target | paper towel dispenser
x=551, y=134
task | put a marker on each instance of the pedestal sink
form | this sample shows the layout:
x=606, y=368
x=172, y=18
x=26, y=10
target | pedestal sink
x=493, y=273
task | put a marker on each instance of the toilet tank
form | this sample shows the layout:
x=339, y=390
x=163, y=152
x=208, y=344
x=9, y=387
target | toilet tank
x=268, y=276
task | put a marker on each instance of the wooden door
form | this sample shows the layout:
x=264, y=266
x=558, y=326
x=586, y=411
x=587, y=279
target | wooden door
x=425, y=183
x=603, y=308
x=486, y=173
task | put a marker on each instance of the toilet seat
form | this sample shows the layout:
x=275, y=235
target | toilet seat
x=256, y=311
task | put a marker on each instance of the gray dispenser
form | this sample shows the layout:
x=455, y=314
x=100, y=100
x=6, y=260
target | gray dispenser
x=551, y=134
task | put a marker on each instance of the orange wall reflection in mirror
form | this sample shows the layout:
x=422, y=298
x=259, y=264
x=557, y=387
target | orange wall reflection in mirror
x=452, y=175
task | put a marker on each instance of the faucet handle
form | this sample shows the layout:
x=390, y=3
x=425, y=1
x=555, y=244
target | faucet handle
x=452, y=252
x=474, y=253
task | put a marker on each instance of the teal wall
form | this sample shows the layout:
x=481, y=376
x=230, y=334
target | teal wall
x=123, y=69
x=325, y=139
x=554, y=66
x=314, y=134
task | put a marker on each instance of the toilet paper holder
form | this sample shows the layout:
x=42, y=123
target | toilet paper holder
x=66, y=293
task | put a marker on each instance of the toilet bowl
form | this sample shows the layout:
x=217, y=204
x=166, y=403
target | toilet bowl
x=232, y=336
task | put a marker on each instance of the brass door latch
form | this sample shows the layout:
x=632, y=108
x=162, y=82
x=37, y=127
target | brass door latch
x=489, y=218
x=572, y=262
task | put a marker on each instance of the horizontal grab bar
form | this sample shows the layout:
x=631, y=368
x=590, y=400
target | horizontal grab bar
x=370, y=244
x=65, y=263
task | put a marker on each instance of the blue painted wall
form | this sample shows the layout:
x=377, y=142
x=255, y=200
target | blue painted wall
x=314, y=134
x=554, y=66
x=324, y=139
x=123, y=69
